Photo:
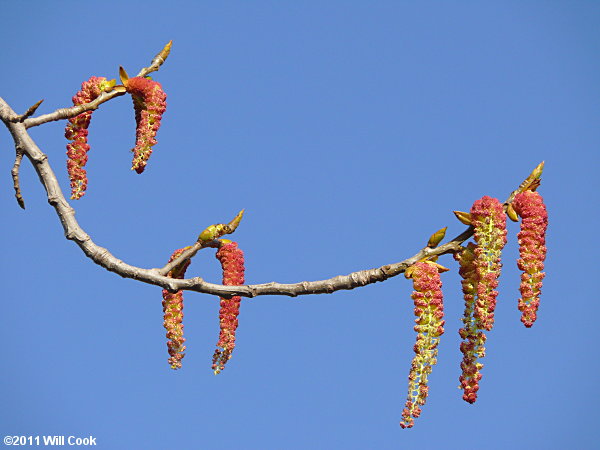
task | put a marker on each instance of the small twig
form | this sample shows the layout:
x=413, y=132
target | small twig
x=157, y=61
x=67, y=113
x=187, y=254
x=15, y=176
x=27, y=113
x=531, y=182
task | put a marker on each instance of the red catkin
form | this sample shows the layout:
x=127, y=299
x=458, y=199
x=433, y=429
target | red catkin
x=429, y=310
x=149, y=103
x=232, y=263
x=489, y=221
x=173, y=315
x=76, y=131
x=529, y=205
x=480, y=269
x=472, y=332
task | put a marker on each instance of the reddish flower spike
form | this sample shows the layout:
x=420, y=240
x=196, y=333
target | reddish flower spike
x=489, y=222
x=77, y=132
x=472, y=333
x=429, y=310
x=173, y=315
x=149, y=103
x=480, y=269
x=532, y=249
x=232, y=263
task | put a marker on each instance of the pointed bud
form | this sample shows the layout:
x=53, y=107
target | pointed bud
x=537, y=172
x=161, y=57
x=110, y=85
x=208, y=234
x=218, y=230
x=235, y=222
x=511, y=213
x=436, y=238
x=464, y=217
x=440, y=268
x=532, y=182
x=123, y=76
x=33, y=108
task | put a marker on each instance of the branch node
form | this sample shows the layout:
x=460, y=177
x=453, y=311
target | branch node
x=71, y=235
x=53, y=199
x=305, y=286
x=41, y=159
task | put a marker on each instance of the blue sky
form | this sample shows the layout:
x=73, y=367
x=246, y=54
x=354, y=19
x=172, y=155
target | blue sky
x=349, y=131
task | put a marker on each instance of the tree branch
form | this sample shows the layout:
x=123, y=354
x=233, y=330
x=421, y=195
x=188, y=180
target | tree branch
x=24, y=145
x=15, y=176
x=101, y=256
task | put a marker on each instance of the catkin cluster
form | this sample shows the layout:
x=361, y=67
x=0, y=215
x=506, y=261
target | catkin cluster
x=479, y=268
x=149, y=102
